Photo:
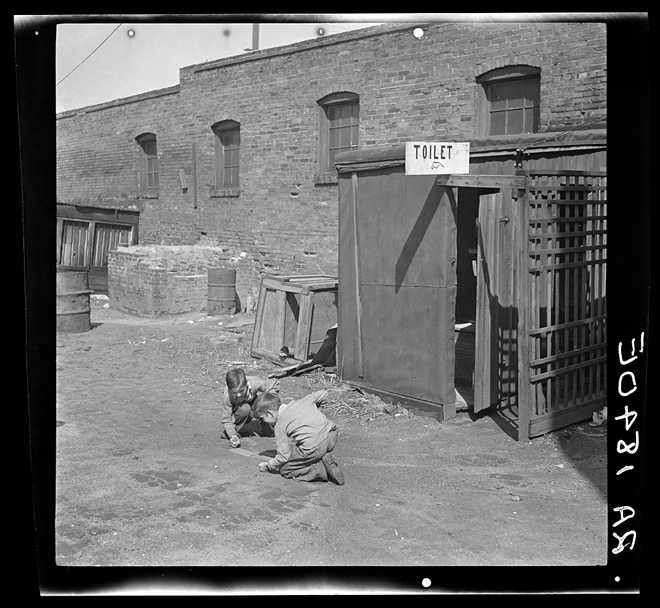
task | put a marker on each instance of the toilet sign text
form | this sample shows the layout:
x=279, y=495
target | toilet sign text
x=437, y=158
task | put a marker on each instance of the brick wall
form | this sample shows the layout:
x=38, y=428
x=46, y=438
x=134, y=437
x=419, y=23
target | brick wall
x=157, y=280
x=285, y=218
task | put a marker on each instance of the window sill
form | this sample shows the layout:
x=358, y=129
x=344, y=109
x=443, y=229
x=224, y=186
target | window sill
x=328, y=177
x=225, y=192
x=150, y=195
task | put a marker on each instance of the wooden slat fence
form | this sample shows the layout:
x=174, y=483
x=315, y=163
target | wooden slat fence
x=567, y=240
x=73, y=246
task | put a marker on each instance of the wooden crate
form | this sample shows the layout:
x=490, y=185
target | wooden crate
x=293, y=312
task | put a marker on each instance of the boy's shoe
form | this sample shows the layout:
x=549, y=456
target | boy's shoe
x=333, y=470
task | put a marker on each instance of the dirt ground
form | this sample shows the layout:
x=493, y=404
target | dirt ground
x=144, y=477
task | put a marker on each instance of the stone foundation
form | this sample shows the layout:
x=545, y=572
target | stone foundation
x=157, y=280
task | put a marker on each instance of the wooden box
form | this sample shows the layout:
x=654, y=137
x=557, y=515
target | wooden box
x=294, y=313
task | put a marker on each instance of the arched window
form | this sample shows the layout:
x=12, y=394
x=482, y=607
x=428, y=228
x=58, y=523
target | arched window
x=227, y=153
x=148, y=164
x=339, y=127
x=509, y=101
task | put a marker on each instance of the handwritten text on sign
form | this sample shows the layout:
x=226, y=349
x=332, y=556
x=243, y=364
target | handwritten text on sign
x=437, y=158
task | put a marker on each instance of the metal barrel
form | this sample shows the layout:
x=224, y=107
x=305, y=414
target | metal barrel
x=72, y=302
x=221, y=291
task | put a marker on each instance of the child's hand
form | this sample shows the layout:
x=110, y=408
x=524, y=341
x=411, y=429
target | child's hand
x=263, y=467
x=234, y=441
x=321, y=397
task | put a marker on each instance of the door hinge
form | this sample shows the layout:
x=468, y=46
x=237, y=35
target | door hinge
x=505, y=219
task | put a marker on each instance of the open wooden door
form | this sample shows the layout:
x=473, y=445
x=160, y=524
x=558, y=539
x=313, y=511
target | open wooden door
x=485, y=373
x=495, y=375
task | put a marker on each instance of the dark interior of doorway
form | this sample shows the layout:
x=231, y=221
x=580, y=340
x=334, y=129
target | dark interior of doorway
x=466, y=295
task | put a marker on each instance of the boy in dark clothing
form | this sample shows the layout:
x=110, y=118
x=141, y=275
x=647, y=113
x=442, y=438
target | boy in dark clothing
x=236, y=406
x=313, y=436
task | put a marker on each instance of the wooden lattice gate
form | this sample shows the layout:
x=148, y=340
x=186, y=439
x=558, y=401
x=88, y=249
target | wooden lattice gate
x=562, y=299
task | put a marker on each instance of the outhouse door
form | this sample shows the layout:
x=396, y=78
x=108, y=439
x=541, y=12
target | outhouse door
x=495, y=376
x=496, y=323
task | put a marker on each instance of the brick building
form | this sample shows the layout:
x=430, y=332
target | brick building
x=240, y=153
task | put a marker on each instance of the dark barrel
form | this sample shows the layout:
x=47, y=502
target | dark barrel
x=222, y=291
x=72, y=302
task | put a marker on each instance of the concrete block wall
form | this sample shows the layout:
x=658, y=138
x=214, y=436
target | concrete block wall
x=284, y=216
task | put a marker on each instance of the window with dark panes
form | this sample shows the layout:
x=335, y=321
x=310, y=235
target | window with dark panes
x=228, y=142
x=510, y=101
x=514, y=107
x=342, y=129
x=148, y=164
x=340, y=122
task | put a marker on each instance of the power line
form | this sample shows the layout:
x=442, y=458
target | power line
x=88, y=56
x=329, y=26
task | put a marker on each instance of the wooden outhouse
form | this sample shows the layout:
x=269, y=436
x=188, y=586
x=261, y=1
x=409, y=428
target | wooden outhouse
x=487, y=287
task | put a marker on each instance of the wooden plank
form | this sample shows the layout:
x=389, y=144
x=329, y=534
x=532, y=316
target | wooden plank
x=358, y=298
x=482, y=361
x=322, y=286
x=526, y=396
x=565, y=370
x=560, y=220
x=257, y=340
x=87, y=214
x=292, y=319
x=557, y=420
x=564, y=235
x=280, y=286
x=482, y=181
x=571, y=189
x=310, y=279
x=59, y=230
x=65, y=257
x=561, y=172
x=551, y=328
x=89, y=243
x=304, y=328
x=421, y=407
x=539, y=267
x=585, y=249
x=578, y=351
x=279, y=321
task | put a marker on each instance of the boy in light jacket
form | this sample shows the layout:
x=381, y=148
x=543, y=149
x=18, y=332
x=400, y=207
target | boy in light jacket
x=313, y=436
x=236, y=405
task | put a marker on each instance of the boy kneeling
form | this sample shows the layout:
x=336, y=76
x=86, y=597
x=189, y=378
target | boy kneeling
x=312, y=434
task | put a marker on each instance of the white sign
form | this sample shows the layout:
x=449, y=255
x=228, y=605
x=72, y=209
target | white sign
x=437, y=158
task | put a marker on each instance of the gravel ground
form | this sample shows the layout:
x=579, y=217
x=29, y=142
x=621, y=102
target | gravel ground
x=144, y=478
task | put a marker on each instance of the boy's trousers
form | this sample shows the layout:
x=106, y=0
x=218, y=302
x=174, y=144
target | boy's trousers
x=306, y=465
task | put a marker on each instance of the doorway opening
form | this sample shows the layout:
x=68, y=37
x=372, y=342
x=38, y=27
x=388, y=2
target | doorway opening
x=466, y=294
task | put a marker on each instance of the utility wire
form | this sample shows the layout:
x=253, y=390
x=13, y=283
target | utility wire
x=88, y=56
x=329, y=26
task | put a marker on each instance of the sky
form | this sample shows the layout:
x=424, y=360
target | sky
x=100, y=61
